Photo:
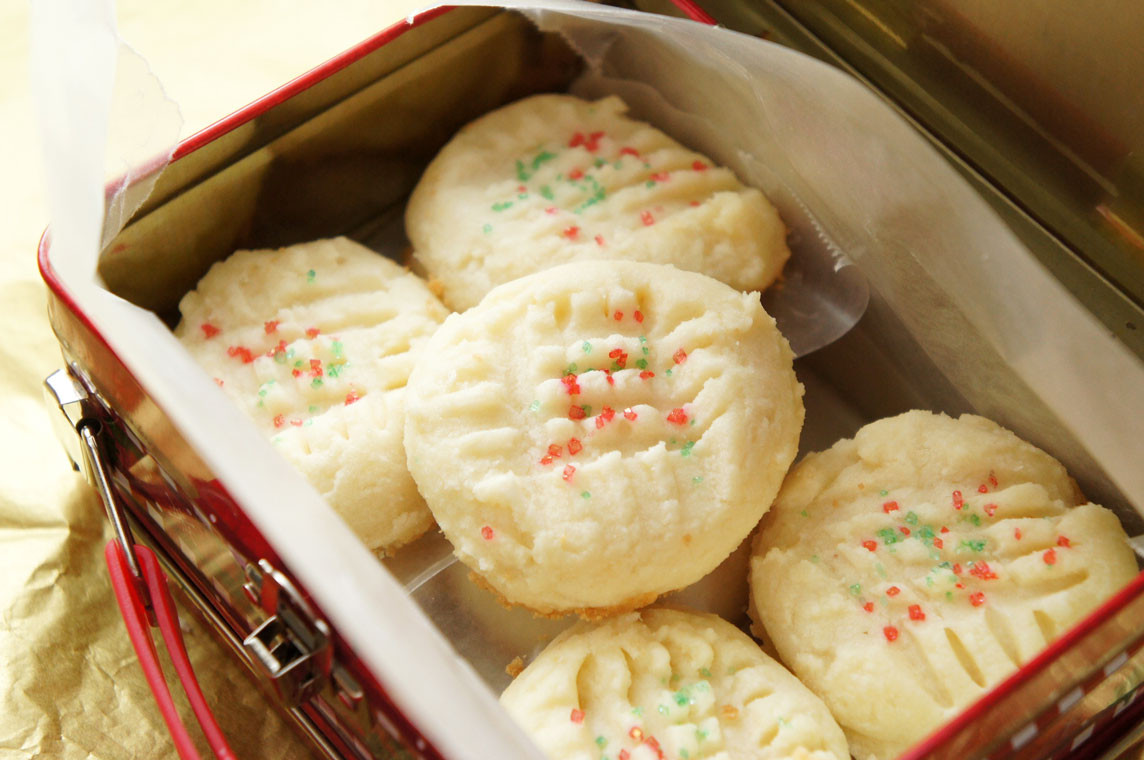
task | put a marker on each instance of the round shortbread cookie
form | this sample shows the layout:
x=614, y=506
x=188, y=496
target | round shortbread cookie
x=552, y=179
x=315, y=343
x=663, y=683
x=903, y=573
x=597, y=434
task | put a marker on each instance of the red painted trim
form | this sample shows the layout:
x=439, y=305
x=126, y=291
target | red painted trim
x=694, y=12
x=1011, y=684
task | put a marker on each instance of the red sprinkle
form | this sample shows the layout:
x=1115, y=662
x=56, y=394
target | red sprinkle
x=990, y=509
x=209, y=330
x=574, y=446
x=279, y=420
x=296, y=372
x=351, y=397
x=699, y=166
x=677, y=416
x=593, y=141
x=315, y=368
x=618, y=354
x=992, y=479
x=957, y=568
x=891, y=633
x=624, y=755
x=1062, y=541
x=630, y=414
x=868, y=606
x=944, y=529
x=218, y=382
x=1050, y=557
x=1017, y=533
x=577, y=715
x=521, y=188
x=983, y=571
x=577, y=140
x=575, y=174
x=576, y=412
x=679, y=357
x=271, y=326
x=977, y=599
x=241, y=352
x=905, y=531
x=693, y=203
x=611, y=380
x=618, y=316
x=569, y=471
x=646, y=374
x=982, y=488
x=600, y=240
x=938, y=543
x=638, y=315
x=916, y=612
x=279, y=349
x=296, y=423
x=636, y=733
x=959, y=585
x=660, y=177
x=571, y=384
x=570, y=233
x=890, y=506
x=893, y=591
x=487, y=533
x=870, y=545
x=647, y=218
x=312, y=332
x=626, y=151
x=958, y=502
x=607, y=413
x=550, y=210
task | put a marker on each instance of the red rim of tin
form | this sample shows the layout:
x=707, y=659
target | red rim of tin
x=303, y=82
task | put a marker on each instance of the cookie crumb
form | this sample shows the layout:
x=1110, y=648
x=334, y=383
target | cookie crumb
x=515, y=667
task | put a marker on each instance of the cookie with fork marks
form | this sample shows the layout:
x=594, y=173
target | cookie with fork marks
x=597, y=434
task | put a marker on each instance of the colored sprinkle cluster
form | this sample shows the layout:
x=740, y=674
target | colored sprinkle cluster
x=967, y=575
x=586, y=189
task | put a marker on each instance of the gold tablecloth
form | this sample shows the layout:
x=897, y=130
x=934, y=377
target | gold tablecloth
x=69, y=683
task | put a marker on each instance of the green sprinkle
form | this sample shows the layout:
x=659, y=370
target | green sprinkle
x=289, y=353
x=636, y=711
x=697, y=479
x=681, y=698
x=587, y=347
x=262, y=393
x=705, y=672
x=308, y=422
x=783, y=722
x=675, y=677
x=926, y=534
x=317, y=383
x=487, y=228
x=642, y=363
x=856, y=589
x=881, y=571
x=260, y=404
x=540, y=158
x=337, y=347
x=668, y=373
x=587, y=410
x=684, y=754
x=949, y=595
x=535, y=405
x=929, y=580
x=815, y=558
x=645, y=350
x=804, y=513
x=911, y=518
x=662, y=709
x=571, y=369
x=599, y=162
x=585, y=495
x=650, y=183
x=311, y=275
x=617, y=165
x=975, y=519
x=334, y=370
x=601, y=741
x=701, y=734
x=686, y=450
x=643, y=339
x=313, y=409
x=883, y=492
x=502, y=206
x=298, y=364
x=975, y=544
x=546, y=193
x=889, y=536
x=694, y=420
x=521, y=174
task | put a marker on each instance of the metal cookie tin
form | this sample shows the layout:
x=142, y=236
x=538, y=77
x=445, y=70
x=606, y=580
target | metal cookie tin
x=365, y=665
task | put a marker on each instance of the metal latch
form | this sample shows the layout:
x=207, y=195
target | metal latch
x=293, y=644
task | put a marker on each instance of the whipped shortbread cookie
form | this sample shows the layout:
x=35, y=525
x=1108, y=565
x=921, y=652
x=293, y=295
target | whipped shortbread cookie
x=597, y=434
x=663, y=683
x=903, y=573
x=315, y=343
x=553, y=178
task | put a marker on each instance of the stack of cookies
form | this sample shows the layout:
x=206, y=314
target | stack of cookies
x=609, y=413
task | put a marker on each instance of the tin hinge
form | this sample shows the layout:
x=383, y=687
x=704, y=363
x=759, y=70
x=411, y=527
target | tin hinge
x=293, y=644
